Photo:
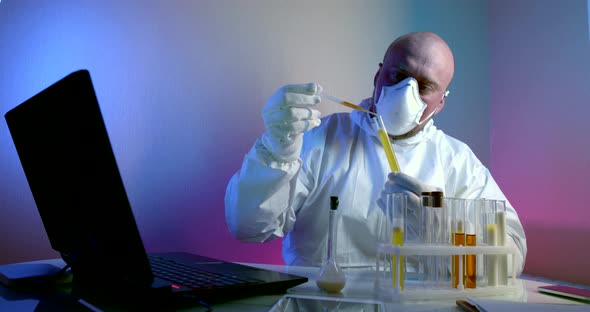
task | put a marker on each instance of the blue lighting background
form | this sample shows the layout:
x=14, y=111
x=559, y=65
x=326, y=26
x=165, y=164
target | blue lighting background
x=181, y=85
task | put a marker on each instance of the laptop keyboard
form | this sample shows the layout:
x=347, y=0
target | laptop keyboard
x=190, y=277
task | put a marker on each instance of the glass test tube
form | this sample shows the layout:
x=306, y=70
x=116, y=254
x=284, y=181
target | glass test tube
x=501, y=239
x=458, y=239
x=425, y=262
x=439, y=229
x=481, y=222
x=471, y=218
x=396, y=205
x=433, y=269
x=379, y=126
x=450, y=265
x=398, y=233
x=491, y=239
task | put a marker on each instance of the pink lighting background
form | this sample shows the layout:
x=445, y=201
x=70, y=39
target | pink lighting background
x=181, y=85
x=540, y=96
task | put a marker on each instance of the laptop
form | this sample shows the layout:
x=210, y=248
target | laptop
x=64, y=149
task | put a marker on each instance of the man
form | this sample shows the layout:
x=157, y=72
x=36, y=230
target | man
x=287, y=178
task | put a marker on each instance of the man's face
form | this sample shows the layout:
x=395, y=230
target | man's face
x=428, y=65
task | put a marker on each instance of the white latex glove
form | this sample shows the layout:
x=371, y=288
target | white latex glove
x=398, y=182
x=287, y=114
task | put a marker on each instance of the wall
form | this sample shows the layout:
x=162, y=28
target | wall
x=181, y=85
x=539, y=78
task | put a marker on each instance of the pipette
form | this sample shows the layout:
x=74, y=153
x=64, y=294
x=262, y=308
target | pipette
x=347, y=104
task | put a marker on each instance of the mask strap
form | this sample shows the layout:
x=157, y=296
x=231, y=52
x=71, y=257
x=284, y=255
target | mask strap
x=434, y=110
x=443, y=97
x=429, y=116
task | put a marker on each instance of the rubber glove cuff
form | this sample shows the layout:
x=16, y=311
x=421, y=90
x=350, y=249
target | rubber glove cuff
x=282, y=150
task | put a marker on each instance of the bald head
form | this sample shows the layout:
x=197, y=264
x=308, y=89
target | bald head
x=427, y=58
x=427, y=47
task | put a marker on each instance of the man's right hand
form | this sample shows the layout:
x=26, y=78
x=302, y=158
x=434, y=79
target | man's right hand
x=287, y=114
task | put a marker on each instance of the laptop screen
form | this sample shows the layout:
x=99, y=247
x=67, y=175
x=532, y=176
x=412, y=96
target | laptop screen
x=64, y=149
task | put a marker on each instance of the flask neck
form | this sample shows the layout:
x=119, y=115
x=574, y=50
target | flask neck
x=332, y=235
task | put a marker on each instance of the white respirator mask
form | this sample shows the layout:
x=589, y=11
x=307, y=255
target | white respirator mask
x=401, y=107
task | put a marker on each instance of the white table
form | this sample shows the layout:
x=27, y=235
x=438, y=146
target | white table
x=354, y=291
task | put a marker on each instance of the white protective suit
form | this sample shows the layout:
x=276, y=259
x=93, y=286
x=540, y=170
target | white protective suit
x=343, y=157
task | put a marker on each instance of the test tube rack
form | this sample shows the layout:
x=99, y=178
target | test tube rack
x=419, y=290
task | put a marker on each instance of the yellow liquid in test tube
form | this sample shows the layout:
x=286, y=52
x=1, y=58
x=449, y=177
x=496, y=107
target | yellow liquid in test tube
x=398, y=233
x=383, y=136
x=388, y=150
x=458, y=240
x=398, y=240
